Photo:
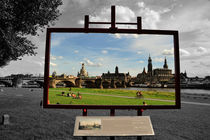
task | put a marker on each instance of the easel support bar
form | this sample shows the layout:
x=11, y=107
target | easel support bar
x=113, y=21
x=113, y=17
x=86, y=21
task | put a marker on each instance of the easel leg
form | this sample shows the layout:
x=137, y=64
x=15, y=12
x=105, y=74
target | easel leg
x=139, y=113
x=84, y=113
x=112, y=113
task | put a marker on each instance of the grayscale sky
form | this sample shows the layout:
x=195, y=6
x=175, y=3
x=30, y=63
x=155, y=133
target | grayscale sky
x=190, y=17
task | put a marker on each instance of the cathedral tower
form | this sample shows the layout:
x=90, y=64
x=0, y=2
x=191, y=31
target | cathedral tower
x=116, y=70
x=149, y=71
x=165, y=66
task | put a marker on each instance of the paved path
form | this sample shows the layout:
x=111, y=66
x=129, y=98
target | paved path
x=127, y=97
x=195, y=103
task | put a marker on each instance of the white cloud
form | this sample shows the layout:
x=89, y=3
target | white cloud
x=55, y=42
x=60, y=57
x=150, y=17
x=139, y=52
x=186, y=21
x=114, y=49
x=141, y=4
x=151, y=44
x=158, y=59
x=76, y=51
x=91, y=64
x=184, y=52
x=168, y=51
x=53, y=64
x=201, y=50
x=104, y=51
x=140, y=61
x=52, y=57
x=66, y=62
x=125, y=14
x=100, y=59
x=40, y=63
x=119, y=36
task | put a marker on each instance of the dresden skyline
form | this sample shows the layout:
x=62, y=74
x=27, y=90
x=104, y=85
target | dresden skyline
x=103, y=52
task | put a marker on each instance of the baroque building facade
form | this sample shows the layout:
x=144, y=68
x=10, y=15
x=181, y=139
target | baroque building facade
x=156, y=76
x=117, y=76
x=83, y=72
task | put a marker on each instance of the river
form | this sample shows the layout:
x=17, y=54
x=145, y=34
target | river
x=183, y=91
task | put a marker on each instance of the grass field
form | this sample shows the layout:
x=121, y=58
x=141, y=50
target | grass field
x=92, y=96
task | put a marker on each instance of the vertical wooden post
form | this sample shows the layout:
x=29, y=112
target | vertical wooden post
x=112, y=113
x=84, y=113
x=139, y=24
x=46, y=69
x=86, y=21
x=139, y=113
x=113, y=17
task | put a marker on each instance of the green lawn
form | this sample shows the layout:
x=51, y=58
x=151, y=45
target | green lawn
x=91, y=96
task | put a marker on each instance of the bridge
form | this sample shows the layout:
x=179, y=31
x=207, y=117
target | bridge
x=66, y=81
x=23, y=81
x=88, y=82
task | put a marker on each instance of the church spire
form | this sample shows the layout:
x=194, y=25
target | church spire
x=165, y=66
x=149, y=70
x=149, y=58
x=185, y=73
x=144, y=71
x=116, y=70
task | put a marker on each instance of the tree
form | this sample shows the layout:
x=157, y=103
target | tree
x=19, y=18
x=17, y=81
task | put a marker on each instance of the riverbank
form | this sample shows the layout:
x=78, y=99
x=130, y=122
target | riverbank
x=29, y=121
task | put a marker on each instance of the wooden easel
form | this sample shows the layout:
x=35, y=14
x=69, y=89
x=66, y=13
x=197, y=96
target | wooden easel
x=113, y=28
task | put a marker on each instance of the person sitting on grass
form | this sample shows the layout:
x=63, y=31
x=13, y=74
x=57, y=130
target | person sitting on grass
x=62, y=93
x=68, y=95
x=144, y=104
x=74, y=96
x=139, y=94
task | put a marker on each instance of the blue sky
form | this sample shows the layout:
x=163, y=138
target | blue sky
x=102, y=52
